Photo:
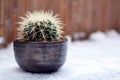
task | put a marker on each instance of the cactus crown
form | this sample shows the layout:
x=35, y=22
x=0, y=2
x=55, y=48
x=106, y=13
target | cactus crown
x=37, y=26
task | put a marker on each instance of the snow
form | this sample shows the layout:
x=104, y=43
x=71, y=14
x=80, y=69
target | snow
x=1, y=39
x=78, y=35
x=94, y=59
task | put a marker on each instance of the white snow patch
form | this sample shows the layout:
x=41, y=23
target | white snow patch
x=1, y=39
x=113, y=34
x=98, y=36
x=78, y=35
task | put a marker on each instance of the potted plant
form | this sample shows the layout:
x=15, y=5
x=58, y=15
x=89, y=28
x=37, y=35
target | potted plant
x=41, y=45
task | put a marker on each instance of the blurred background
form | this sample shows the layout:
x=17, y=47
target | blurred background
x=81, y=17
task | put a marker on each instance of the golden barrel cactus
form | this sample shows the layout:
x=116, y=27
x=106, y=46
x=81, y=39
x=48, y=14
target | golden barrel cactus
x=40, y=26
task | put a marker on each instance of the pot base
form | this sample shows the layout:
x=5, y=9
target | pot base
x=41, y=68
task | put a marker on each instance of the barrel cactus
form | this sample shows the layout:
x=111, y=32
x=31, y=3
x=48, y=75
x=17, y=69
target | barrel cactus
x=40, y=26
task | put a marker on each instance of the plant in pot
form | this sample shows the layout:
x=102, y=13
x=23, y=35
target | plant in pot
x=41, y=45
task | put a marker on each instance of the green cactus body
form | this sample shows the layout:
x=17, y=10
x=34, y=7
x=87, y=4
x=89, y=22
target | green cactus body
x=46, y=27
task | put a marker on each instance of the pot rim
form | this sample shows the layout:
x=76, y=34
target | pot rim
x=17, y=41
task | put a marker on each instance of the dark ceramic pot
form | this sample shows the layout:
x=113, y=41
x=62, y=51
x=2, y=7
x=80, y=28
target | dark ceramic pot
x=40, y=57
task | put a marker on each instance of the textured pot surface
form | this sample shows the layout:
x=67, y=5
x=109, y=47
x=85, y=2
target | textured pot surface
x=40, y=57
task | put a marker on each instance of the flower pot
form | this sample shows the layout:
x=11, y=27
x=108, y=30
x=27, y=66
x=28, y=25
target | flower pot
x=40, y=57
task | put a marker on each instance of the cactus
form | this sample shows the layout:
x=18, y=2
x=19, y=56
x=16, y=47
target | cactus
x=40, y=26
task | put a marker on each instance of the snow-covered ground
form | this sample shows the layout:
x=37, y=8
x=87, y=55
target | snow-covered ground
x=94, y=59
